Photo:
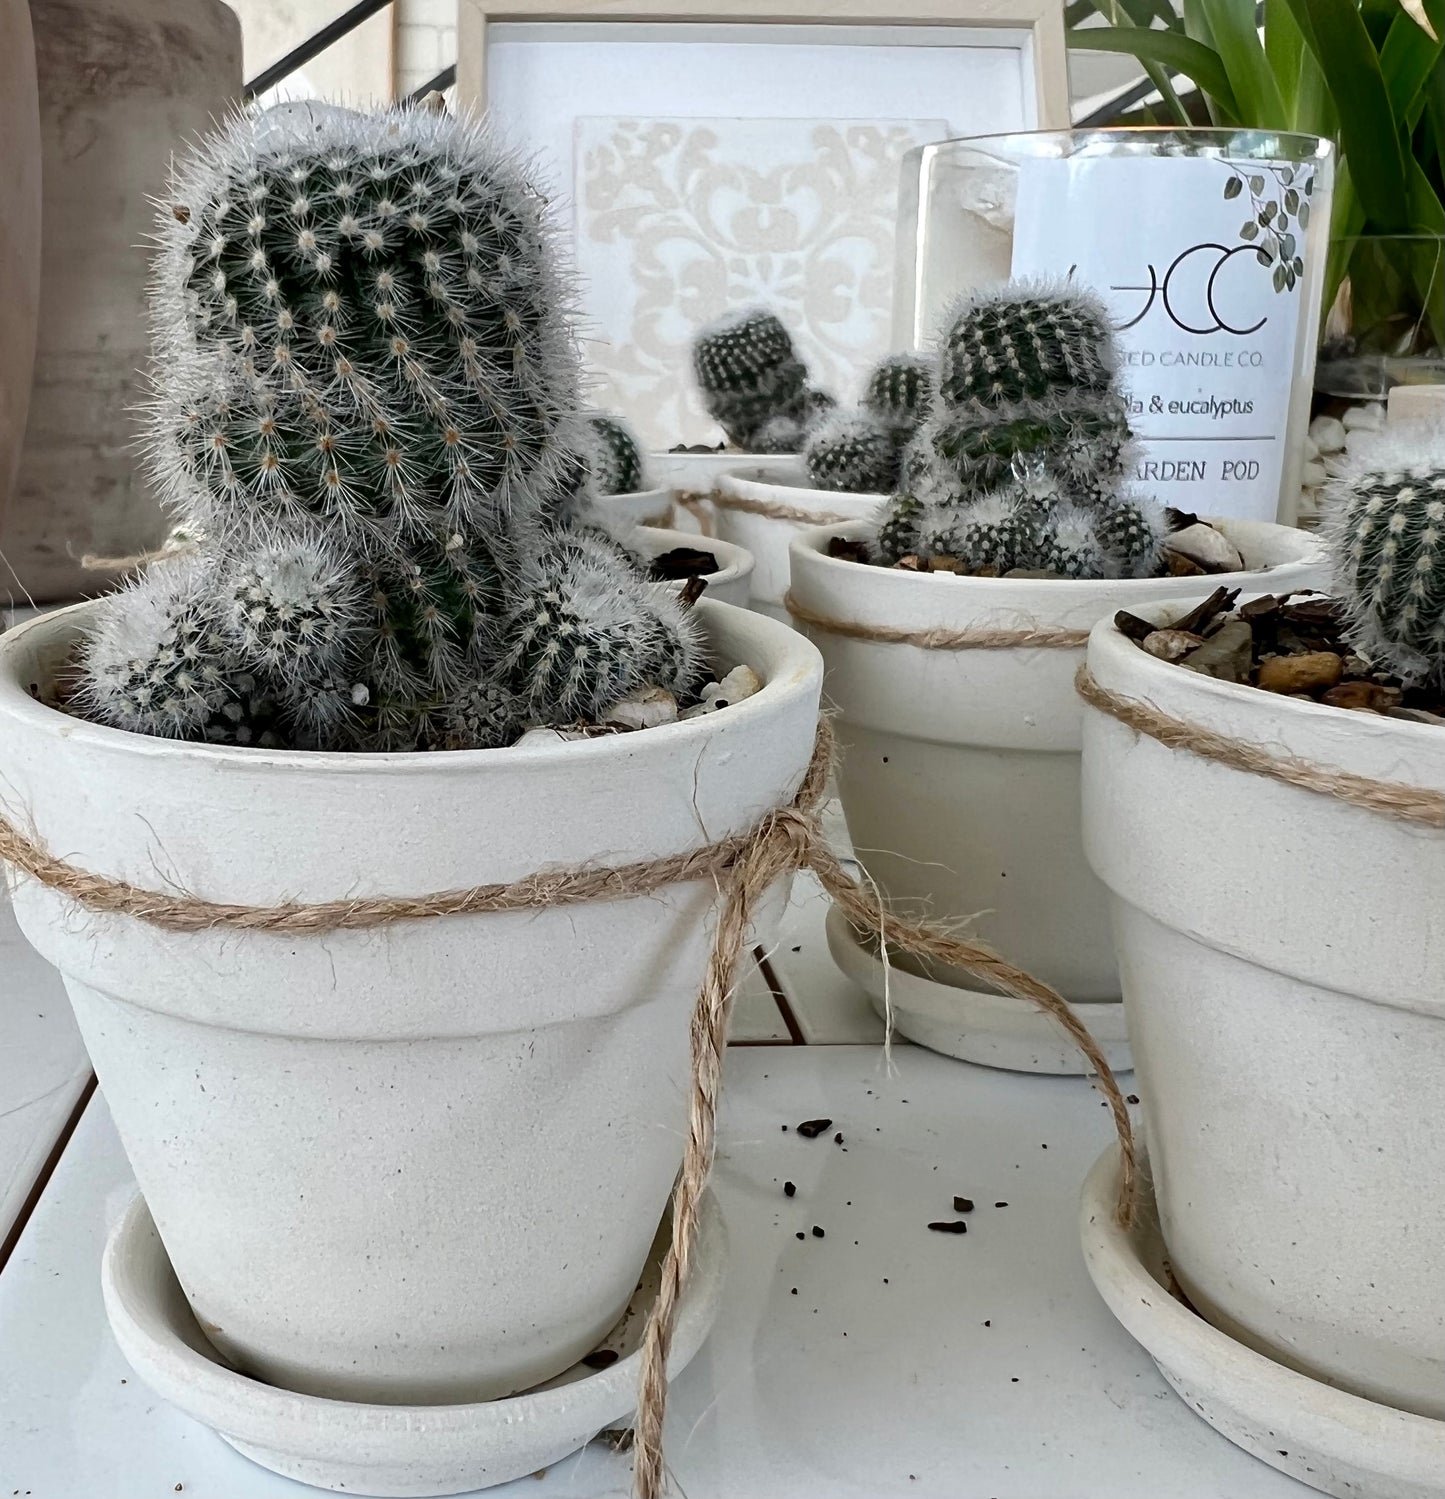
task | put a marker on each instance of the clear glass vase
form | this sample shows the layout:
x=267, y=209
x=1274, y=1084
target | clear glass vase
x=1210, y=249
x=1386, y=320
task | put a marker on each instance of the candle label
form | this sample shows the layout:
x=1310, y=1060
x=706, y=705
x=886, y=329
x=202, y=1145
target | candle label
x=1200, y=261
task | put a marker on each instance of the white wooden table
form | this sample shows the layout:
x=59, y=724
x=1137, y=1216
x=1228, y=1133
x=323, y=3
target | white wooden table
x=881, y=1360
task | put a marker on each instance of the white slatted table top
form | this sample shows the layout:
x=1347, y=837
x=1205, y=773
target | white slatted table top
x=909, y=1363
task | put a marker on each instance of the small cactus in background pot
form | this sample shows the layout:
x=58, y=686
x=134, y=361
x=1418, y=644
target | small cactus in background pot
x=365, y=407
x=1020, y=463
x=852, y=453
x=753, y=383
x=1386, y=527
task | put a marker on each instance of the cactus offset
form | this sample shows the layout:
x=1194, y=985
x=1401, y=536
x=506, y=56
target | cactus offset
x=1020, y=463
x=852, y=453
x=365, y=407
x=753, y=383
x=1387, y=537
x=899, y=393
x=582, y=636
x=618, y=464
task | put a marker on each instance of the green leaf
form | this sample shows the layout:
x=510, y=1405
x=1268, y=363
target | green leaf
x=1237, y=41
x=1286, y=246
x=1278, y=278
x=1233, y=187
x=1249, y=230
x=1263, y=256
x=1292, y=201
x=1267, y=213
x=1256, y=184
x=1166, y=47
x=1369, y=135
x=1304, y=215
x=1408, y=57
x=1284, y=47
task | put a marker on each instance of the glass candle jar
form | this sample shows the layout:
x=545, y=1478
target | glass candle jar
x=1209, y=248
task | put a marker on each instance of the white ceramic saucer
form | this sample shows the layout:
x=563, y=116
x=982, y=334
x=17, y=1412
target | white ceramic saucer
x=1336, y=1442
x=391, y=1450
x=973, y=1024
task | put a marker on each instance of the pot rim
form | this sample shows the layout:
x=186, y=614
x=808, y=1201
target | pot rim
x=750, y=478
x=786, y=660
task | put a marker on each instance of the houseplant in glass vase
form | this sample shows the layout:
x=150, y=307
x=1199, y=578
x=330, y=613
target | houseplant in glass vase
x=1371, y=78
x=952, y=624
x=405, y=1143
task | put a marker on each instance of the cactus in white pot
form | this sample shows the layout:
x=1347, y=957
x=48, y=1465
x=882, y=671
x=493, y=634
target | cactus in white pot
x=753, y=382
x=1021, y=461
x=365, y=408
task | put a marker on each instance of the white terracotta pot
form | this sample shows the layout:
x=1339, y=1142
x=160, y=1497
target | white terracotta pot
x=420, y=1163
x=123, y=83
x=1283, y=963
x=729, y=582
x=960, y=769
x=641, y=507
x=19, y=242
x=779, y=481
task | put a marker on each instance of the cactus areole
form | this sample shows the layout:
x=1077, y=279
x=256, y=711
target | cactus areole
x=365, y=409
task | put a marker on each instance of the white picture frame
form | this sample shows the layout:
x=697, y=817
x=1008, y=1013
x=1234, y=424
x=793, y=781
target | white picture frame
x=711, y=153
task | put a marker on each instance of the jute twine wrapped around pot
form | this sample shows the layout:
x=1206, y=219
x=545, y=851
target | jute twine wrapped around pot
x=746, y=867
x=694, y=501
x=1392, y=799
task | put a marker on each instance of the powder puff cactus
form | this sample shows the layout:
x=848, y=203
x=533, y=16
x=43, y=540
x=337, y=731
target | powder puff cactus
x=365, y=405
x=1386, y=529
x=1020, y=462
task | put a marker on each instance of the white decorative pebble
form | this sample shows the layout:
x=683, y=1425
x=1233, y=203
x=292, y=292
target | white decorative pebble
x=1206, y=546
x=1368, y=418
x=1313, y=475
x=1328, y=434
x=1312, y=449
x=643, y=709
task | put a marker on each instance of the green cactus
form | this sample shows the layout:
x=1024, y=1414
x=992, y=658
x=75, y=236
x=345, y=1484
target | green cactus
x=1020, y=463
x=852, y=453
x=365, y=407
x=618, y=463
x=1025, y=342
x=1386, y=528
x=899, y=392
x=753, y=383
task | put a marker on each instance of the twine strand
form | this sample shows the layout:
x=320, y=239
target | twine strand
x=1387, y=798
x=1036, y=638
x=776, y=510
x=747, y=866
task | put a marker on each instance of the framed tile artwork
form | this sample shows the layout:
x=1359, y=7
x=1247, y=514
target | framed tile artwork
x=712, y=155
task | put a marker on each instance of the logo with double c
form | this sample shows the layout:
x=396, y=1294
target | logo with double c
x=1199, y=292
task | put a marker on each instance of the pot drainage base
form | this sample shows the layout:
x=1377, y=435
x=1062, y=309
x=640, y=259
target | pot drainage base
x=390, y=1450
x=1335, y=1442
x=973, y=1024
